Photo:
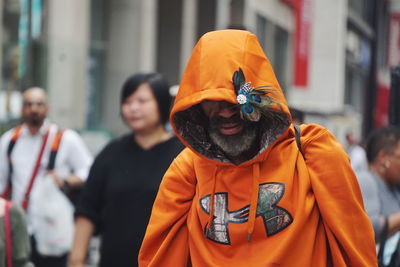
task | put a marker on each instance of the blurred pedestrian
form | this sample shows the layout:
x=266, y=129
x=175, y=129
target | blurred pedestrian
x=124, y=179
x=31, y=153
x=356, y=152
x=14, y=241
x=248, y=191
x=380, y=183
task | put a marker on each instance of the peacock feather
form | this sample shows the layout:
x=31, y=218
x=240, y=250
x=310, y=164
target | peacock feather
x=253, y=101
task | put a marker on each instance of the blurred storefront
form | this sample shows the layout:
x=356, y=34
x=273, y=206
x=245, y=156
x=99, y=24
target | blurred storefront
x=16, y=38
x=44, y=43
x=349, y=69
x=154, y=35
x=388, y=56
x=325, y=53
x=329, y=56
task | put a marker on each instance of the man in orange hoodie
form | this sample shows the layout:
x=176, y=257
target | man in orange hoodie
x=242, y=193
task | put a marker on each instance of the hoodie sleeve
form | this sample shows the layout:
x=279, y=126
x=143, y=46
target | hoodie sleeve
x=166, y=239
x=349, y=231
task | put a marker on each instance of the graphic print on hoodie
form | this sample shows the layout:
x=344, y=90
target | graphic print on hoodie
x=275, y=218
x=275, y=209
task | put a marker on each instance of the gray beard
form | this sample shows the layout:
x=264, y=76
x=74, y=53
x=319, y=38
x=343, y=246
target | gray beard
x=235, y=145
x=34, y=121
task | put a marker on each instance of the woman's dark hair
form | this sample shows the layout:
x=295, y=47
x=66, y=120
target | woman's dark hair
x=385, y=139
x=158, y=85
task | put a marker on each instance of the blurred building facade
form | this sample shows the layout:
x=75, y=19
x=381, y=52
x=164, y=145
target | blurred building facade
x=350, y=60
x=332, y=58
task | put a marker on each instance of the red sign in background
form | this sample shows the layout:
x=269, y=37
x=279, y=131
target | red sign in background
x=381, y=114
x=381, y=117
x=303, y=15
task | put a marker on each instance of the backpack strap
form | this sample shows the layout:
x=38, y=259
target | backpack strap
x=54, y=149
x=25, y=201
x=7, y=232
x=52, y=158
x=13, y=140
x=297, y=133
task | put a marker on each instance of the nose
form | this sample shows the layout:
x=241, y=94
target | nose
x=34, y=107
x=133, y=105
x=226, y=110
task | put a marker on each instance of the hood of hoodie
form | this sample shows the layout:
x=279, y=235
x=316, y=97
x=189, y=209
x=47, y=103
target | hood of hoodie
x=208, y=76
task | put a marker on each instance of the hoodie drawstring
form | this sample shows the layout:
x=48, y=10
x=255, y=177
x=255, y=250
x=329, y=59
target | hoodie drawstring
x=253, y=203
x=211, y=208
x=254, y=199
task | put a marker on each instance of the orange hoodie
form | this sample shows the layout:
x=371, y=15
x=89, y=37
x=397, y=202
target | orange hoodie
x=276, y=209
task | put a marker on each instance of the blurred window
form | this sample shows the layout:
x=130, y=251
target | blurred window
x=358, y=64
x=237, y=8
x=169, y=38
x=275, y=42
x=261, y=30
x=206, y=16
x=356, y=81
x=364, y=8
x=383, y=35
x=97, y=65
x=280, y=56
x=23, y=54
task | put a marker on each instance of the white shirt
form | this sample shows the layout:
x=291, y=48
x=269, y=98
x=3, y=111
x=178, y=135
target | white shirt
x=72, y=157
x=358, y=158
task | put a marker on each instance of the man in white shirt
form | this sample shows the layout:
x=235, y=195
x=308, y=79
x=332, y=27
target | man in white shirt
x=33, y=143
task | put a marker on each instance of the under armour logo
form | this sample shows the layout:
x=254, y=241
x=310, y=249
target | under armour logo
x=274, y=217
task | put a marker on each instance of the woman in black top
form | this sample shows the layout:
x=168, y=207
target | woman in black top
x=124, y=179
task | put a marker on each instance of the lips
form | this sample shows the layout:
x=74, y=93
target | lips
x=133, y=119
x=230, y=128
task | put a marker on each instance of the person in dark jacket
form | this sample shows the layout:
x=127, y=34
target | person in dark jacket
x=124, y=179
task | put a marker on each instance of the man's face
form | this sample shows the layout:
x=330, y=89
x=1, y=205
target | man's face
x=224, y=117
x=34, y=107
x=227, y=129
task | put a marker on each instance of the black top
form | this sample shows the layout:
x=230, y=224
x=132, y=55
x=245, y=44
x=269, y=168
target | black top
x=119, y=194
